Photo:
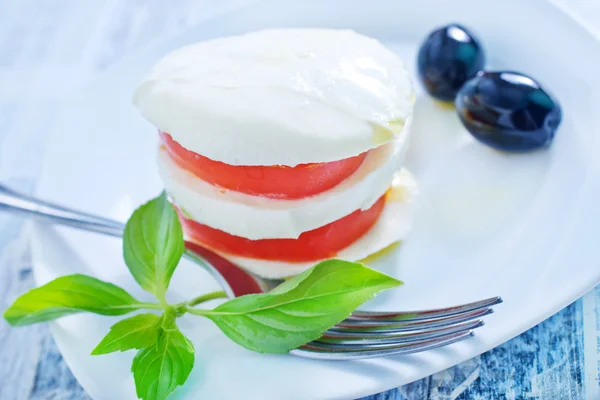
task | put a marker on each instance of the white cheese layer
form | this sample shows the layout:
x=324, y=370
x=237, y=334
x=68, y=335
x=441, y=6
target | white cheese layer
x=279, y=97
x=394, y=223
x=256, y=217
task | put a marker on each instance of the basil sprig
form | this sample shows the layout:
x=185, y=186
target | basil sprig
x=294, y=313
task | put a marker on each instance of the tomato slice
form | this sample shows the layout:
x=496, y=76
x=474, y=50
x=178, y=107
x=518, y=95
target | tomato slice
x=318, y=244
x=279, y=182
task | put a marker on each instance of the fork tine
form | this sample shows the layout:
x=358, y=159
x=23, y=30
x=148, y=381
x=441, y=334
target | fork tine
x=396, y=338
x=424, y=314
x=378, y=327
x=323, y=351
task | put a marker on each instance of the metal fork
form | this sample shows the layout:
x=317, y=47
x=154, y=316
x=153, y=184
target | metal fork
x=365, y=334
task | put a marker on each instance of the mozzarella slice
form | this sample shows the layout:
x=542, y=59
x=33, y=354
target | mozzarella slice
x=393, y=225
x=279, y=97
x=256, y=217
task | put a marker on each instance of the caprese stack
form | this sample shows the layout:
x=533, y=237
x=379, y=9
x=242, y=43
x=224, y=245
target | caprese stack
x=281, y=148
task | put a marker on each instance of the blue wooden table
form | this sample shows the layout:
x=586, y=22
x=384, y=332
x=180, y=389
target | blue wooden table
x=49, y=48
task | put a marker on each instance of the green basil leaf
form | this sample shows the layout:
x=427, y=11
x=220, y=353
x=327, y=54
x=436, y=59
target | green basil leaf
x=168, y=321
x=69, y=295
x=153, y=244
x=158, y=370
x=300, y=309
x=135, y=332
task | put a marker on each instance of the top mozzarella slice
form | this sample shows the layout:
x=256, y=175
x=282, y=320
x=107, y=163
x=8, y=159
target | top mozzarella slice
x=279, y=97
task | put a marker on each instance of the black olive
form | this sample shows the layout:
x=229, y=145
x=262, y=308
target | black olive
x=508, y=111
x=448, y=58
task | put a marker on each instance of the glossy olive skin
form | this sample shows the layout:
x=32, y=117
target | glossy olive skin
x=448, y=58
x=508, y=111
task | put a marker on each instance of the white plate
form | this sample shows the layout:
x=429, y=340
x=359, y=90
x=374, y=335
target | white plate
x=523, y=227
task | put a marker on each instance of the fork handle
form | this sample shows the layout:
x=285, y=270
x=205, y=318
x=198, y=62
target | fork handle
x=42, y=210
x=232, y=279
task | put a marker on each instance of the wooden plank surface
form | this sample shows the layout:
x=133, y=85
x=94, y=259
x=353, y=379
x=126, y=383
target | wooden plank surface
x=48, y=48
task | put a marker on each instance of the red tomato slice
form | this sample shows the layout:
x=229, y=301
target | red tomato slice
x=280, y=182
x=320, y=243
